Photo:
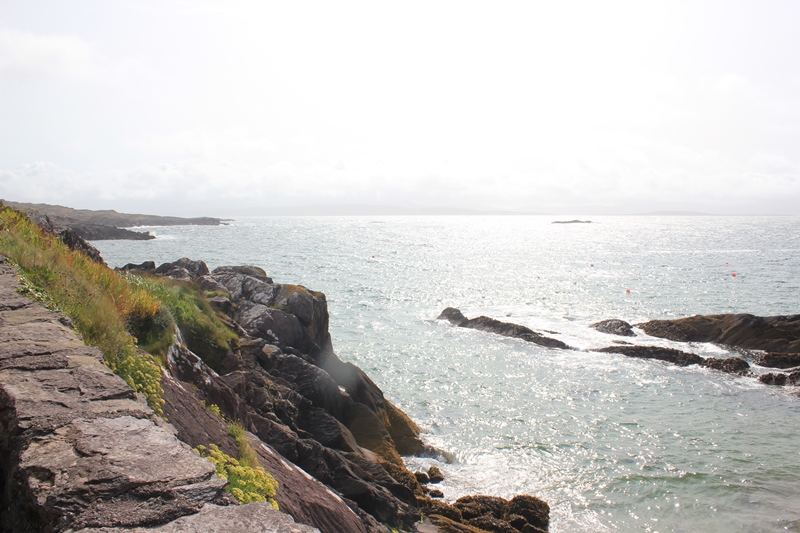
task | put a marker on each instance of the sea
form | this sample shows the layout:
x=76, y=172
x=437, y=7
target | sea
x=612, y=443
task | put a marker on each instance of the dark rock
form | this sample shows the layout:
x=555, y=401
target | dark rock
x=178, y=268
x=794, y=378
x=221, y=304
x=779, y=360
x=774, y=334
x=422, y=478
x=773, y=378
x=148, y=267
x=103, y=232
x=452, y=315
x=507, y=329
x=527, y=528
x=492, y=525
x=731, y=365
x=534, y=510
x=516, y=521
x=447, y=525
x=614, y=326
x=435, y=475
x=434, y=507
x=670, y=355
x=258, y=401
x=208, y=284
x=435, y=493
x=481, y=505
x=244, y=270
x=71, y=238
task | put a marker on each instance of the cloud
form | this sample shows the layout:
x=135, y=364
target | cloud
x=26, y=55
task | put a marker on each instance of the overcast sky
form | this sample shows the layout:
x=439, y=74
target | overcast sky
x=208, y=108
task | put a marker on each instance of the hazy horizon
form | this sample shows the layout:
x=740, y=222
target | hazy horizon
x=203, y=108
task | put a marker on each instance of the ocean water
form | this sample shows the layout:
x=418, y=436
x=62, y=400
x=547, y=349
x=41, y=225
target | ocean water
x=612, y=443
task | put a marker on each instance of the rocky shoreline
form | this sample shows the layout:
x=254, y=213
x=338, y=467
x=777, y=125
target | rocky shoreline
x=771, y=342
x=81, y=451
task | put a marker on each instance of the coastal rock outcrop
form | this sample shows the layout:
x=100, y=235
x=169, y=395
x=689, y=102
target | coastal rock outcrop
x=779, y=360
x=71, y=238
x=288, y=387
x=669, y=355
x=614, y=326
x=731, y=365
x=750, y=332
x=779, y=378
x=506, y=329
x=475, y=514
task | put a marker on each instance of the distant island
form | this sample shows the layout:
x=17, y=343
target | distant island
x=572, y=222
x=105, y=224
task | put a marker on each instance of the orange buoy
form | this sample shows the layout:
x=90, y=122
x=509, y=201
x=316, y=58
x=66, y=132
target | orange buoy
x=627, y=291
x=734, y=274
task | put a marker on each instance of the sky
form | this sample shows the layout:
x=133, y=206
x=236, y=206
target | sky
x=223, y=108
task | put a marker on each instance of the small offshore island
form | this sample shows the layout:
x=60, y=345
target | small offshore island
x=228, y=363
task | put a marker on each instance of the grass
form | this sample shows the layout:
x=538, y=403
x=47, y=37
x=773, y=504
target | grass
x=205, y=334
x=99, y=302
x=247, y=455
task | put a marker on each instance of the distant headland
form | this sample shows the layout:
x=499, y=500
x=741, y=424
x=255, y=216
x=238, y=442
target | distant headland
x=105, y=224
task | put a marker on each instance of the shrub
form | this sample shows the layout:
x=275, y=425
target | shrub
x=214, y=408
x=246, y=483
x=205, y=334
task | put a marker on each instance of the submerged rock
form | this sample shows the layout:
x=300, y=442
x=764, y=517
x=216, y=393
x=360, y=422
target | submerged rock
x=614, y=326
x=506, y=329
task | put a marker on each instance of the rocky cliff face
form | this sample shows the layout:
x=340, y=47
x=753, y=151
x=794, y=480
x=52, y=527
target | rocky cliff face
x=286, y=385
